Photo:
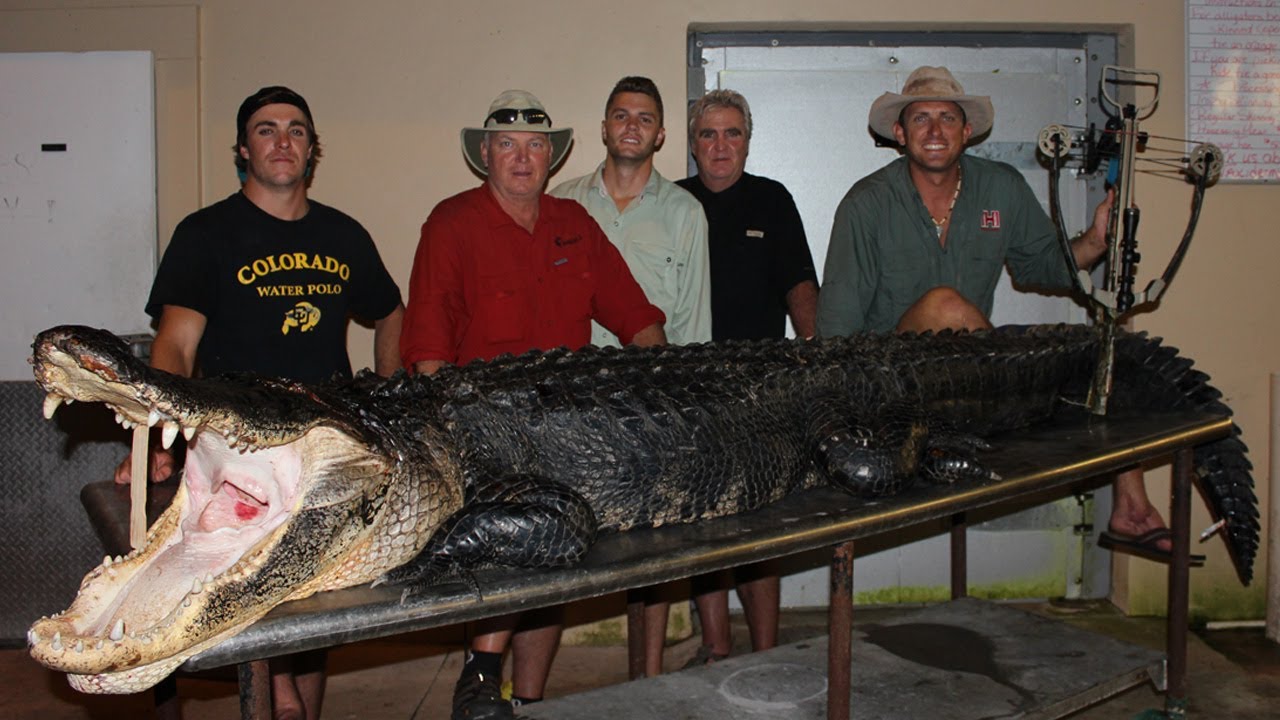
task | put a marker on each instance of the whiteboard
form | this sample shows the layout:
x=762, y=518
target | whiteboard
x=1233, y=79
x=77, y=195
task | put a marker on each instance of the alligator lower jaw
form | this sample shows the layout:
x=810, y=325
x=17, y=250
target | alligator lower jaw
x=143, y=677
x=110, y=642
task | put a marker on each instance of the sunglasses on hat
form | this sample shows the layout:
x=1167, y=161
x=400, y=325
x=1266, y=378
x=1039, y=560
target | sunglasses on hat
x=507, y=116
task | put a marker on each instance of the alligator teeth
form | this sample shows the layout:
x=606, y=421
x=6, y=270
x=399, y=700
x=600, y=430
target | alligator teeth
x=170, y=432
x=106, y=561
x=208, y=578
x=56, y=645
x=79, y=646
x=118, y=558
x=196, y=586
x=189, y=432
x=153, y=417
x=51, y=403
x=33, y=639
x=100, y=644
x=117, y=631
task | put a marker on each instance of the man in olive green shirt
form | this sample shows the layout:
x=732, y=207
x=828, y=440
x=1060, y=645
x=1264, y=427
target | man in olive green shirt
x=918, y=245
x=659, y=227
x=885, y=253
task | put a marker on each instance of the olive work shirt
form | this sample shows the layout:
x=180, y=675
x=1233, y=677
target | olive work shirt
x=884, y=252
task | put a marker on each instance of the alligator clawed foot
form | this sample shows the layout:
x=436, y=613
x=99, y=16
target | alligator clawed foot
x=414, y=579
x=949, y=465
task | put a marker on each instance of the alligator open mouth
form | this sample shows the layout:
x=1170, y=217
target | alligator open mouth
x=222, y=555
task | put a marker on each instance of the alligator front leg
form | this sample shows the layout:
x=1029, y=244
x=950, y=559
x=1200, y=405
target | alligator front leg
x=518, y=521
x=882, y=452
x=868, y=454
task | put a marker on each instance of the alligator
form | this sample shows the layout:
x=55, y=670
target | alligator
x=290, y=489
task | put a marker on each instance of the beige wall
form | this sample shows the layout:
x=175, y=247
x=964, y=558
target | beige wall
x=391, y=82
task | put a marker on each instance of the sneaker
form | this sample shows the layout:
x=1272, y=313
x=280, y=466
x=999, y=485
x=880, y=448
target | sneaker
x=479, y=697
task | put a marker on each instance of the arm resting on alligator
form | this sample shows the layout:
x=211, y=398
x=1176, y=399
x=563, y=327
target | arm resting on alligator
x=386, y=342
x=802, y=307
x=652, y=335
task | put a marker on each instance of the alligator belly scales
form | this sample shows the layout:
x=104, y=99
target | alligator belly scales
x=290, y=489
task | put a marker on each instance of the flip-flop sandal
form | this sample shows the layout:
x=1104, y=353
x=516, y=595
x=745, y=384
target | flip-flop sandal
x=704, y=656
x=1145, y=545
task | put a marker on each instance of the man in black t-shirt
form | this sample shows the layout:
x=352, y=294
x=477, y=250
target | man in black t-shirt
x=761, y=268
x=264, y=282
x=761, y=273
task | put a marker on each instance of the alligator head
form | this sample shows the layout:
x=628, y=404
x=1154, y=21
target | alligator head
x=287, y=490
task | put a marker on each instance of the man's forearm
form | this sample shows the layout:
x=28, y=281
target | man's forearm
x=386, y=342
x=802, y=306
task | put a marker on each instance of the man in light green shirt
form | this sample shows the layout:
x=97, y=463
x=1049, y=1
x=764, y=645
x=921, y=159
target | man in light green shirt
x=658, y=227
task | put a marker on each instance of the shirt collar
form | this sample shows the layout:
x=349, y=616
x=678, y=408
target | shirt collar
x=499, y=217
x=597, y=183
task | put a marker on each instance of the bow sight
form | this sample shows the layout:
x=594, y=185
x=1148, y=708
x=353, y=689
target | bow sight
x=1118, y=145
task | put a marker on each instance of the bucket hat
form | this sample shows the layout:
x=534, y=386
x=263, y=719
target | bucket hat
x=515, y=111
x=929, y=84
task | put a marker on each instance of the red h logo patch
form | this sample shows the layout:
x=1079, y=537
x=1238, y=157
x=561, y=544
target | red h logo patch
x=990, y=220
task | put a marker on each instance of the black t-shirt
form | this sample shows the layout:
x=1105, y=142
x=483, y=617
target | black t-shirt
x=276, y=294
x=758, y=253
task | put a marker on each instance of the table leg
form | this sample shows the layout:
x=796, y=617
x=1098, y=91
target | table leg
x=636, y=654
x=255, y=690
x=1179, y=571
x=959, y=556
x=840, y=639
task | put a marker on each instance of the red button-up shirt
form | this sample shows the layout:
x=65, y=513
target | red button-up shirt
x=482, y=285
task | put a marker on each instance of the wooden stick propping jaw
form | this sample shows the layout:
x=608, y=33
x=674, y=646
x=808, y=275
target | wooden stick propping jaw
x=138, y=487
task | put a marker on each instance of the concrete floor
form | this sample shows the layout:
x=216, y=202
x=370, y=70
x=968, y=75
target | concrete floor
x=1233, y=674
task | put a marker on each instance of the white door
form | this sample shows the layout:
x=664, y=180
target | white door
x=77, y=195
x=809, y=106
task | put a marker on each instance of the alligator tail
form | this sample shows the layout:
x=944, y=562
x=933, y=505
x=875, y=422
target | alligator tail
x=1153, y=376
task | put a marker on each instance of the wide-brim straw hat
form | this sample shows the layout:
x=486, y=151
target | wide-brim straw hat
x=930, y=84
x=561, y=138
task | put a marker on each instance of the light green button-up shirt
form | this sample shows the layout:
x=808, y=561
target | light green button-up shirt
x=662, y=234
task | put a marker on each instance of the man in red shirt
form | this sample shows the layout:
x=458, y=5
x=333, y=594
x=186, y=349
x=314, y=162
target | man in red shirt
x=506, y=268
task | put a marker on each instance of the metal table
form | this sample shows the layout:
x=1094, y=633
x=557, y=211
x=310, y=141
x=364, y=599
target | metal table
x=1065, y=456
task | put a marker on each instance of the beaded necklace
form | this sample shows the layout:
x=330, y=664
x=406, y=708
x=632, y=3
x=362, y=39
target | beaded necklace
x=938, y=224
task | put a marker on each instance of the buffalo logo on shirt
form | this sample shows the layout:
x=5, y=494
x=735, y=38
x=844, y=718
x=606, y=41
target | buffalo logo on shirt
x=990, y=220
x=303, y=316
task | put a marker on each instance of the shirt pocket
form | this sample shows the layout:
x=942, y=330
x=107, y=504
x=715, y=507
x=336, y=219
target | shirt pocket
x=656, y=267
x=573, y=282
x=984, y=262
x=904, y=277
x=504, y=307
